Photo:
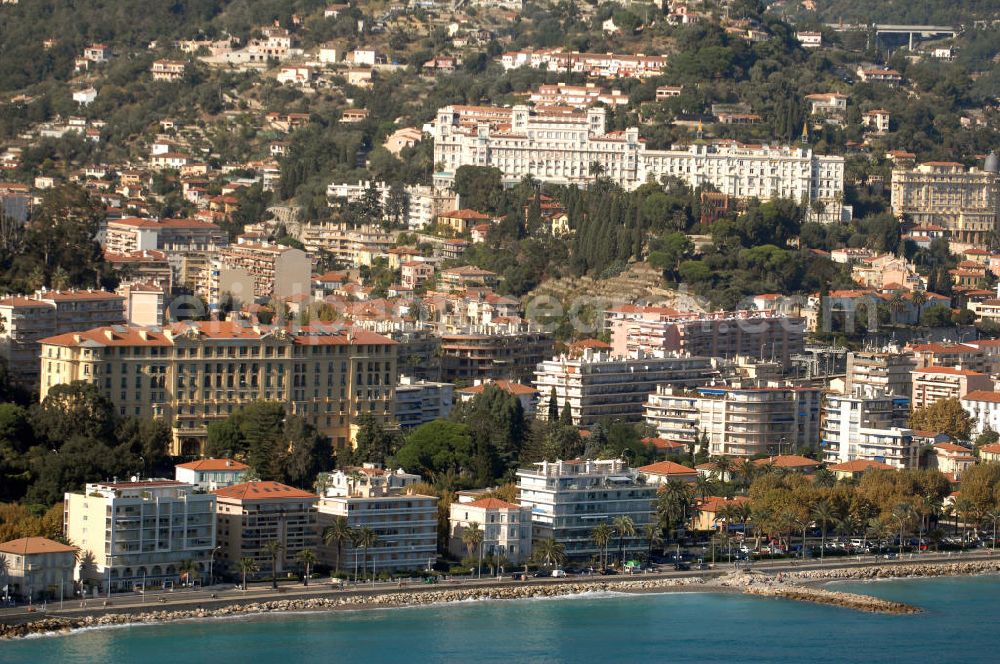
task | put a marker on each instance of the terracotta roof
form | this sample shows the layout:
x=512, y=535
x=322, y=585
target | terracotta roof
x=213, y=464
x=508, y=386
x=464, y=214
x=982, y=395
x=859, y=466
x=18, y=301
x=590, y=343
x=493, y=504
x=952, y=447
x=257, y=491
x=661, y=444
x=121, y=335
x=788, y=461
x=992, y=448
x=667, y=468
x=951, y=371
x=26, y=546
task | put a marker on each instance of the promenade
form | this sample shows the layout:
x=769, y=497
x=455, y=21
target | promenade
x=220, y=596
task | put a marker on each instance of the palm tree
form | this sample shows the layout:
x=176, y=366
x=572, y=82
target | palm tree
x=185, y=569
x=550, y=552
x=704, y=487
x=4, y=563
x=896, y=302
x=338, y=532
x=823, y=513
x=918, y=298
x=273, y=549
x=365, y=538
x=653, y=532
x=672, y=503
x=247, y=566
x=903, y=513
x=624, y=527
x=601, y=536
x=746, y=471
x=964, y=509
x=308, y=558
x=761, y=517
x=824, y=478
x=724, y=468
x=846, y=526
x=878, y=530
x=472, y=538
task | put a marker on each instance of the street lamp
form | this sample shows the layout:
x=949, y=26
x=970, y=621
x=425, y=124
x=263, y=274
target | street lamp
x=211, y=565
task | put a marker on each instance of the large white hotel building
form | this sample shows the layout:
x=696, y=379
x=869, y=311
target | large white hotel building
x=561, y=145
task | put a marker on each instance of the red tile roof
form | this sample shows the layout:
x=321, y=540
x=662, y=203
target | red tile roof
x=716, y=503
x=951, y=371
x=493, y=504
x=982, y=395
x=27, y=546
x=661, y=444
x=213, y=464
x=257, y=491
x=788, y=461
x=668, y=468
x=859, y=466
x=508, y=386
x=464, y=214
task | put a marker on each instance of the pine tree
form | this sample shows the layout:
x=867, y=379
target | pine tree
x=553, y=405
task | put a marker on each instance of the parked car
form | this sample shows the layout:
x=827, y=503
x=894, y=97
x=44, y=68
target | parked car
x=559, y=573
x=682, y=567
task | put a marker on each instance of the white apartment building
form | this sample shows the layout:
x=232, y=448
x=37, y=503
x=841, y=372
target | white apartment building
x=211, y=474
x=966, y=203
x=168, y=70
x=597, y=385
x=506, y=528
x=404, y=522
x=140, y=530
x=867, y=426
x=568, y=499
x=562, y=146
x=884, y=371
x=249, y=270
x=252, y=514
x=932, y=384
x=421, y=205
x=576, y=96
x=421, y=401
x=28, y=319
x=602, y=65
x=737, y=421
x=729, y=334
x=984, y=408
x=124, y=236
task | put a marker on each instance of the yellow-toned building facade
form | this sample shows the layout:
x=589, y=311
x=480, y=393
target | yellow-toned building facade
x=194, y=373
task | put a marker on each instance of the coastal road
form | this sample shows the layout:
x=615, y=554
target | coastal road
x=225, y=594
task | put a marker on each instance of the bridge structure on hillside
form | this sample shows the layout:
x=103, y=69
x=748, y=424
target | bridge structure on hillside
x=911, y=31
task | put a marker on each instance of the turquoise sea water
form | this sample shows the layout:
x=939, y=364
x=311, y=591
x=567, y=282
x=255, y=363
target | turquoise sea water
x=958, y=625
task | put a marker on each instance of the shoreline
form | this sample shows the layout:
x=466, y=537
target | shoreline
x=802, y=585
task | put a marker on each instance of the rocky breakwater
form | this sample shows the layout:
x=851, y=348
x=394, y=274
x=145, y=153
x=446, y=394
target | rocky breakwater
x=898, y=571
x=762, y=585
x=352, y=601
